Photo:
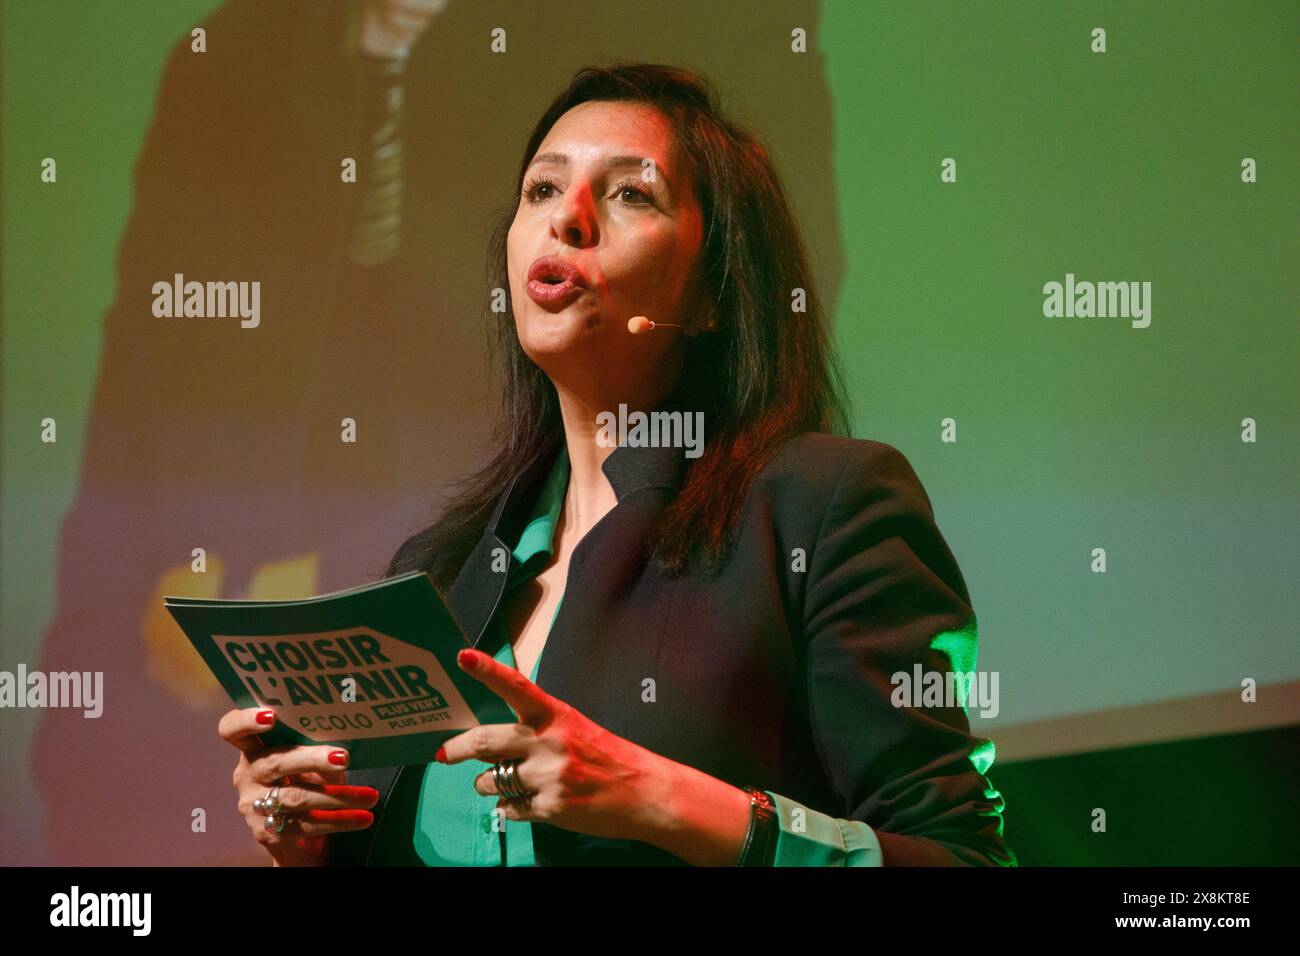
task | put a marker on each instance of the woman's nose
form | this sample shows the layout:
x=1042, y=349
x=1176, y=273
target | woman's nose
x=573, y=219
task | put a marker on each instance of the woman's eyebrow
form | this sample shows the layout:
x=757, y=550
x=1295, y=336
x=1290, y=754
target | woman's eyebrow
x=562, y=159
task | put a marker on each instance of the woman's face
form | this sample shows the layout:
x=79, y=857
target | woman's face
x=633, y=238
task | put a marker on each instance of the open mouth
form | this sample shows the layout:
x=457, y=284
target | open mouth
x=554, y=270
x=554, y=291
x=554, y=282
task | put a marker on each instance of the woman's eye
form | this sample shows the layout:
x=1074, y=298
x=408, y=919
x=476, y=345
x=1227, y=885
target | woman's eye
x=629, y=188
x=531, y=192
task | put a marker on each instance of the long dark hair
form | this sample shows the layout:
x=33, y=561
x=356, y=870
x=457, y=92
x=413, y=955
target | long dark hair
x=768, y=372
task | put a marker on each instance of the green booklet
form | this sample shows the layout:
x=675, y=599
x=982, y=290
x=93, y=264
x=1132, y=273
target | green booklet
x=371, y=669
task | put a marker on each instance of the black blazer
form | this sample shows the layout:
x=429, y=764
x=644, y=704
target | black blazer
x=766, y=675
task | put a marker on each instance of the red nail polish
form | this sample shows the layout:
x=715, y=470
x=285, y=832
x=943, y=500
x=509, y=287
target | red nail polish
x=266, y=716
x=441, y=755
x=339, y=758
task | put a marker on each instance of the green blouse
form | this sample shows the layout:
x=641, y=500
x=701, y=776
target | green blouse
x=437, y=818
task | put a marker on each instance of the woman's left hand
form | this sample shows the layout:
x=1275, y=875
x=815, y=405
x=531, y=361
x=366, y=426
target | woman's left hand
x=582, y=777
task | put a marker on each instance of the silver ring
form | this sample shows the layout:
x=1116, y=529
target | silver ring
x=276, y=821
x=499, y=778
x=506, y=778
x=269, y=804
x=514, y=786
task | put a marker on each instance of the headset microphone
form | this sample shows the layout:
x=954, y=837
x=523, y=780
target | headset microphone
x=639, y=323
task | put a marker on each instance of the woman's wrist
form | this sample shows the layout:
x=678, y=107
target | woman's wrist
x=694, y=816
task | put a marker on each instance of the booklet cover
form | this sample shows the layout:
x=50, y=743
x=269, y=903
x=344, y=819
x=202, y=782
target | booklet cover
x=371, y=669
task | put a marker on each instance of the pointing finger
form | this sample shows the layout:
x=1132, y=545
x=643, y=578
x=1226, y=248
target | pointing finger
x=533, y=705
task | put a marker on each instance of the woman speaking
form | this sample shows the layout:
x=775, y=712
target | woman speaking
x=710, y=623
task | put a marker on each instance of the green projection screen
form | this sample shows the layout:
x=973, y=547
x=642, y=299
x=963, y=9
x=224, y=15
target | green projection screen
x=1058, y=242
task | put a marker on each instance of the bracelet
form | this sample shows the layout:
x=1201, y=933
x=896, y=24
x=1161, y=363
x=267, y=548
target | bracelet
x=760, y=838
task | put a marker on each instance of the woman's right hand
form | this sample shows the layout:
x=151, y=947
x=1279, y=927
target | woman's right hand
x=312, y=790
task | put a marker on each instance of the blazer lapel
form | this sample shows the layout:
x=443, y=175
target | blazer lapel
x=477, y=590
x=474, y=595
